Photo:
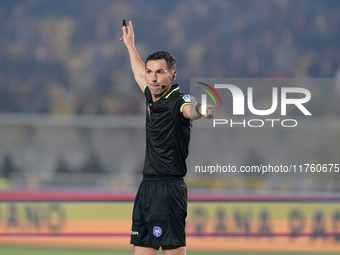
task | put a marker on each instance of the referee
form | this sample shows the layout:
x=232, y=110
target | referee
x=160, y=206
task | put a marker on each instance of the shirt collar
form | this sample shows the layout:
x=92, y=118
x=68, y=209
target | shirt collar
x=173, y=88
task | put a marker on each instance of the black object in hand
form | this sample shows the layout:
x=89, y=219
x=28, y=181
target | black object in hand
x=124, y=22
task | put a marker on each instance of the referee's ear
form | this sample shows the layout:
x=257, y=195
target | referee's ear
x=173, y=77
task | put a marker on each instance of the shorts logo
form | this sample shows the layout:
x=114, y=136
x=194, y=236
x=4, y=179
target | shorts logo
x=134, y=233
x=157, y=231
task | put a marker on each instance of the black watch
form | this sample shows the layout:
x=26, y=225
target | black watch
x=198, y=109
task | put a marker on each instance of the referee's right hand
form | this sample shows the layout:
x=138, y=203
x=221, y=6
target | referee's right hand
x=128, y=35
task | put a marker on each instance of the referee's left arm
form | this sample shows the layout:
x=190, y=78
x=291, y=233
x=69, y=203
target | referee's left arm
x=193, y=111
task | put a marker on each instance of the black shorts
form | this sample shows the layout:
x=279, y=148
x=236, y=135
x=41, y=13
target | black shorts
x=159, y=213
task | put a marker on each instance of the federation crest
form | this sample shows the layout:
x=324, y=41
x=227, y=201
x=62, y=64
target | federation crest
x=157, y=231
x=189, y=99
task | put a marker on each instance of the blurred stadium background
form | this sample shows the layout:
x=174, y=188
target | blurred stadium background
x=72, y=117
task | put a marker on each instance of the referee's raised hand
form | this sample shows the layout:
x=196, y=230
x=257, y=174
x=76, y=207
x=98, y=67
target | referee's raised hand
x=137, y=65
x=128, y=36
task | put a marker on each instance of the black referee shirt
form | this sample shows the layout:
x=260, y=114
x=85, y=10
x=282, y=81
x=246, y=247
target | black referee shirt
x=167, y=134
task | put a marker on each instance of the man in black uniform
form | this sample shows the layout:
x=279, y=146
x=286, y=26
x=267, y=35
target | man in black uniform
x=160, y=206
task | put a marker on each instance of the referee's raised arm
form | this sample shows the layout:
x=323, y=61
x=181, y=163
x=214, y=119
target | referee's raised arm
x=137, y=65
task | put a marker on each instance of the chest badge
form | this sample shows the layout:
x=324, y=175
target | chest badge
x=149, y=109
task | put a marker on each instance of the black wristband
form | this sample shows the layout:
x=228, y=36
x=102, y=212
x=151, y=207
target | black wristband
x=198, y=109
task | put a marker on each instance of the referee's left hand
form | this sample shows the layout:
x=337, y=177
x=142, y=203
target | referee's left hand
x=210, y=111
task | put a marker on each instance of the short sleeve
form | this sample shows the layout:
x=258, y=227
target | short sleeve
x=178, y=107
x=147, y=93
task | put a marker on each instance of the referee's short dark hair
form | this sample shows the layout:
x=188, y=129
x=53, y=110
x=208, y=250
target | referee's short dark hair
x=168, y=57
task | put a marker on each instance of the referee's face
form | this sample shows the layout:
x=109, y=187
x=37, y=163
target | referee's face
x=158, y=77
